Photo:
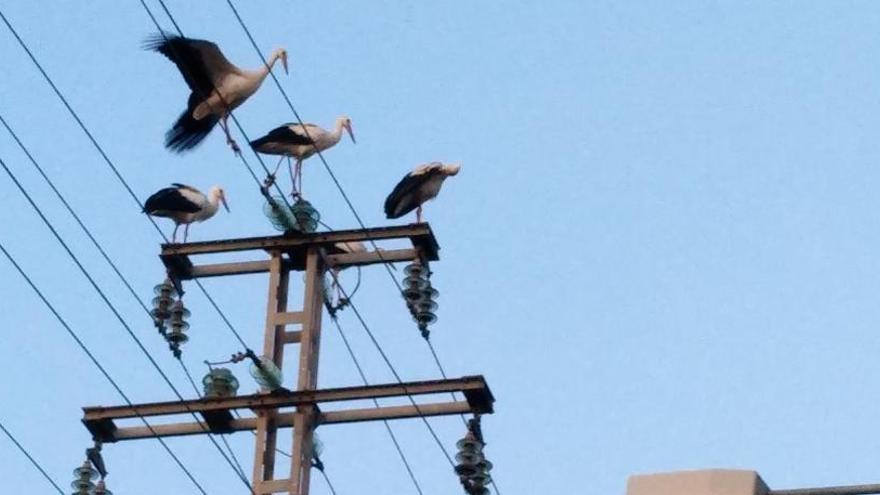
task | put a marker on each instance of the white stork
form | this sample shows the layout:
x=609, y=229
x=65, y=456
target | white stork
x=185, y=205
x=218, y=87
x=300, y=142
x=417, y=187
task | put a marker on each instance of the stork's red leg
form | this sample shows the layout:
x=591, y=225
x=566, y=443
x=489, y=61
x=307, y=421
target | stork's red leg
x=185, y=232
x=299, y=177
x=231, y=142
x=419, y=214
x=293, y=192
x=278, y=165
x=174, y=234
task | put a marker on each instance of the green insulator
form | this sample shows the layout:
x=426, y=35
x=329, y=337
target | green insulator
x=165, y=294
x=426, y=306
x=305, y=215
x=416, y=269
x=469, y=458
x=178, y=325
x=220, y=382
x=430, y=293
x=84, y=477
x=469, y=444
x=166, y=288
x=480, y=478
x=279, y=214
x=266, y=374
x=415, y=282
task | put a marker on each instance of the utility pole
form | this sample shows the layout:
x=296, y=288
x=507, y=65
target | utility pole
x=299, y=405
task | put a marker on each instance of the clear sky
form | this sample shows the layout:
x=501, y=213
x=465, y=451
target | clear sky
x=661, y=250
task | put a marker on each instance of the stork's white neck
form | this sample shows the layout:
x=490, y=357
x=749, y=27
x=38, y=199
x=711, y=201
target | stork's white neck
x=265, y=69
x=210, y=209
x=336, y=135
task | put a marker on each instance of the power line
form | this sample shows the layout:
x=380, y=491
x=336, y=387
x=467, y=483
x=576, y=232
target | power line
x=140, y=205
x=327, y=479
x=222, y=437
x=110, y=163
x=360, y=370
x=240, y=128
x=30, y=458
x=223, y=102
x=103, y=296
x=97, y=363
x=330, y=172
x=351, y=207
x=392, y=368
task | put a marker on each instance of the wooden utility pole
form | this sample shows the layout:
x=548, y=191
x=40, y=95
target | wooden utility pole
x=297, y=405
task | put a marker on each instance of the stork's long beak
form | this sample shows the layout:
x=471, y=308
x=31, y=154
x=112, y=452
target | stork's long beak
x=350, y=133
x=223, y=200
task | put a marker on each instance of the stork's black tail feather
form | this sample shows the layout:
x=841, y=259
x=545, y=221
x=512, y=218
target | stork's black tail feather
x=188, y=132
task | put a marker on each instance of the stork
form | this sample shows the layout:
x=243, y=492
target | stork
x=184, y=205
x=300, y=141
x=217, y=86
x=417, y=187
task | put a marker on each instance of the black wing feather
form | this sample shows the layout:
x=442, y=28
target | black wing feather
x=169, y=199
x=187, y=132
x=186, y=56
x=403, y=199
x=282, y=135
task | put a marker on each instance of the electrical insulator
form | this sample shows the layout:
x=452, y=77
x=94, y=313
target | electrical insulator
x=425, y=309
x=317, y=450
x=279, y=214
x=266, y=373
x=472, y=468
x=100, y=489
x=165, y=293
x=220, y=382
x=305, y=215
x=420, y=296
x=177, y=321
x=83, y=479
x=415, y=281
x=300, y=217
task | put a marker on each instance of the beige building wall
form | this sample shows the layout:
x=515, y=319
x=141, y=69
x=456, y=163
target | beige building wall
x=703, y=482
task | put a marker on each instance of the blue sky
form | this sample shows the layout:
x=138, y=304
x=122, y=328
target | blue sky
x=661, y=249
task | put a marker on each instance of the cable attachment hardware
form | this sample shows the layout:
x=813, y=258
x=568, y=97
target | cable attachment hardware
x=161, y=312
x=317, y=450
x=86, y=475
x=473, y=468
x=265, y=371
x=178, y=324
x=420, y=296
